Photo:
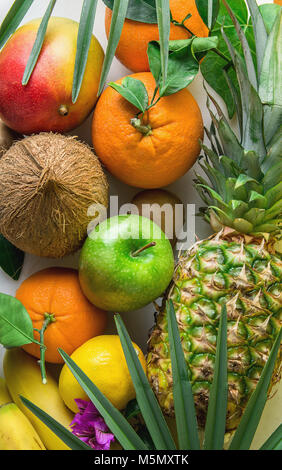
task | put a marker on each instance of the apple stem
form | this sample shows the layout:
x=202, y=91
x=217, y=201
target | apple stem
x=137, y=252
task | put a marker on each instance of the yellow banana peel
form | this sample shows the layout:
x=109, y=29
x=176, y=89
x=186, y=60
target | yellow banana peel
x=23, y=377
x=16, y=432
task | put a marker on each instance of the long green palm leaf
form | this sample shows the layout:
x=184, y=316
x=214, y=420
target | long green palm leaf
x=145, y=396
x=37, y=46
x=72, y=441
x=13, y=19
x=85, y=29
x=116, y=422
x=216, y=416
x=118, y=17
x=185, y=413
x=274, y=442
x=163, y=15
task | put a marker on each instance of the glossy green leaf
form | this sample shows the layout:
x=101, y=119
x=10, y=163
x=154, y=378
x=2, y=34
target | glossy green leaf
x=72, y=441
x=13, y=18
x=134, y=91
x=217, y=409
x=249, y=422
x=208, y=10
x=182, y=66
x=163, y=16
x=116, y=422
x=259, y=32
x=184, y=407
x=274, y=442
x=143, y=11
x=11, y=258
x=16, y=327
x=117, y=22
x=204, y=44
x=37, y=46
x=145, y=396
x=84, y=36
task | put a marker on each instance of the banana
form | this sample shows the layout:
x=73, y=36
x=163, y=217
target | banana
x=16, y=432
x=5, y=397
x=23, y=377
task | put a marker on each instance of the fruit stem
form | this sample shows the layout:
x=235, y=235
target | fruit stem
x=63, y=110
x=137, y=252
x=137, y=123
x=49, y=318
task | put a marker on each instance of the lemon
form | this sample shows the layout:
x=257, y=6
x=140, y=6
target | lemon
x=103, y=361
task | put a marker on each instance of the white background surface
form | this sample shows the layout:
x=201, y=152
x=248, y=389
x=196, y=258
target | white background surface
x=138, y=322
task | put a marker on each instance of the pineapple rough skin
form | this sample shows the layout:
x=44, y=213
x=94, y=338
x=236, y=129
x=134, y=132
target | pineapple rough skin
x=241, y=271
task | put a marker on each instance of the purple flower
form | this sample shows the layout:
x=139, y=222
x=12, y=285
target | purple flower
x=90, y=427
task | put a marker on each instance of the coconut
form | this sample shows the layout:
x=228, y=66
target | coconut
x=47, y=184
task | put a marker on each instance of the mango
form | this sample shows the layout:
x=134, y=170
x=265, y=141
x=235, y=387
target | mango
x=45, y=103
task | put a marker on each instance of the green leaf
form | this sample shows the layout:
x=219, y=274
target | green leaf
x=163, y=15
x=208, y=10
x=134, y=91
x=13, y=18
x=132, y=409
x=116, y=422
x=204, y=44
x=11, y=258
x=249, y=422
x=213, y=65
x=270, y=87
x=245, y=47
x=145, y=396
x=16, y=327
x=84, y=36
x=269, y=12
x=182, y=66
x=185, y=413
x=37, y=46
x=274, y=442
x=252, y=110
x=259, y=32
x=72, y=441
x=217, y=409
x=117, y=22
x=143, y=11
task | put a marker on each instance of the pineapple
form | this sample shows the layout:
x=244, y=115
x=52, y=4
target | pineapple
x=240, y=264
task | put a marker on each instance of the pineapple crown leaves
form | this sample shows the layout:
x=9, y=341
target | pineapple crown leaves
x=244, y=173
x=185, y=414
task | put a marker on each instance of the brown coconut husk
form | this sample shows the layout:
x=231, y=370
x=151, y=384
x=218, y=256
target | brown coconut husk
x=47, y=184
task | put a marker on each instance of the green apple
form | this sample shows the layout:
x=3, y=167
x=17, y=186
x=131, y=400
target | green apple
x=125, y=263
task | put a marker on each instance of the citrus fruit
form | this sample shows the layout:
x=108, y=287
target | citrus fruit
x=158, y=158
x=57, y=293
x=45, y=103
x=103, y=361
x=133, y=43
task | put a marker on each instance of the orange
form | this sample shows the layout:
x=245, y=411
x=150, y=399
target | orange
x=133, y=43
x=278, y=2
x=56, y=291
x=147, y=161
